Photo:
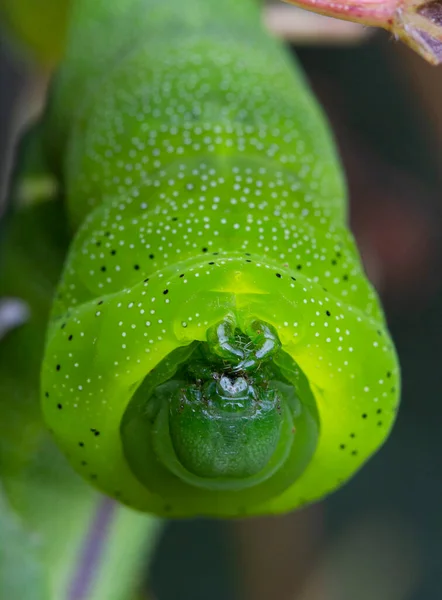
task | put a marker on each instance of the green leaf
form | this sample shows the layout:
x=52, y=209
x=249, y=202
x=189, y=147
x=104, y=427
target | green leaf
x=22, y=573
x=40, y=25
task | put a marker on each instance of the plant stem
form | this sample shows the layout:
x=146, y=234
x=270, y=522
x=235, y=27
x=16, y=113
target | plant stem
x=418, y=23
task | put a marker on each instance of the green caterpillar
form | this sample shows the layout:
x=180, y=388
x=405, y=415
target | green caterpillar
x=215, y=347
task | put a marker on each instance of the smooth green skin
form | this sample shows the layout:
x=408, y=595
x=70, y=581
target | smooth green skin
x=47, y=512
x=201, y=176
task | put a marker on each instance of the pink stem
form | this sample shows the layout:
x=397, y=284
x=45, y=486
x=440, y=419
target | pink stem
x=376, y=14
x=418, y=23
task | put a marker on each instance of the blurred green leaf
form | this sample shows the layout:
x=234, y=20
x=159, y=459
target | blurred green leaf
x=22, y=574
x=39, y=25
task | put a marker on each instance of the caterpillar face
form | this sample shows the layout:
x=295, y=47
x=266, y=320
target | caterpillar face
x=215, y=347
x=224, y=384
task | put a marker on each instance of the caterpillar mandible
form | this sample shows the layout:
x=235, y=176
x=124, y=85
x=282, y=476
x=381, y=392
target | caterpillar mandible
x=215, y=347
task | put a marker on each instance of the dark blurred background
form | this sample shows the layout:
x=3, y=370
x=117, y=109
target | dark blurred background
x=380, y=537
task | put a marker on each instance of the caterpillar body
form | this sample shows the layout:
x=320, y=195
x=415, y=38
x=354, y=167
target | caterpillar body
x=215, y=347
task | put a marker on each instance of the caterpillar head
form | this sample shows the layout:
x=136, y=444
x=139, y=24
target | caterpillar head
x=222, y=426
x=214, y=388
x=224, y=417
